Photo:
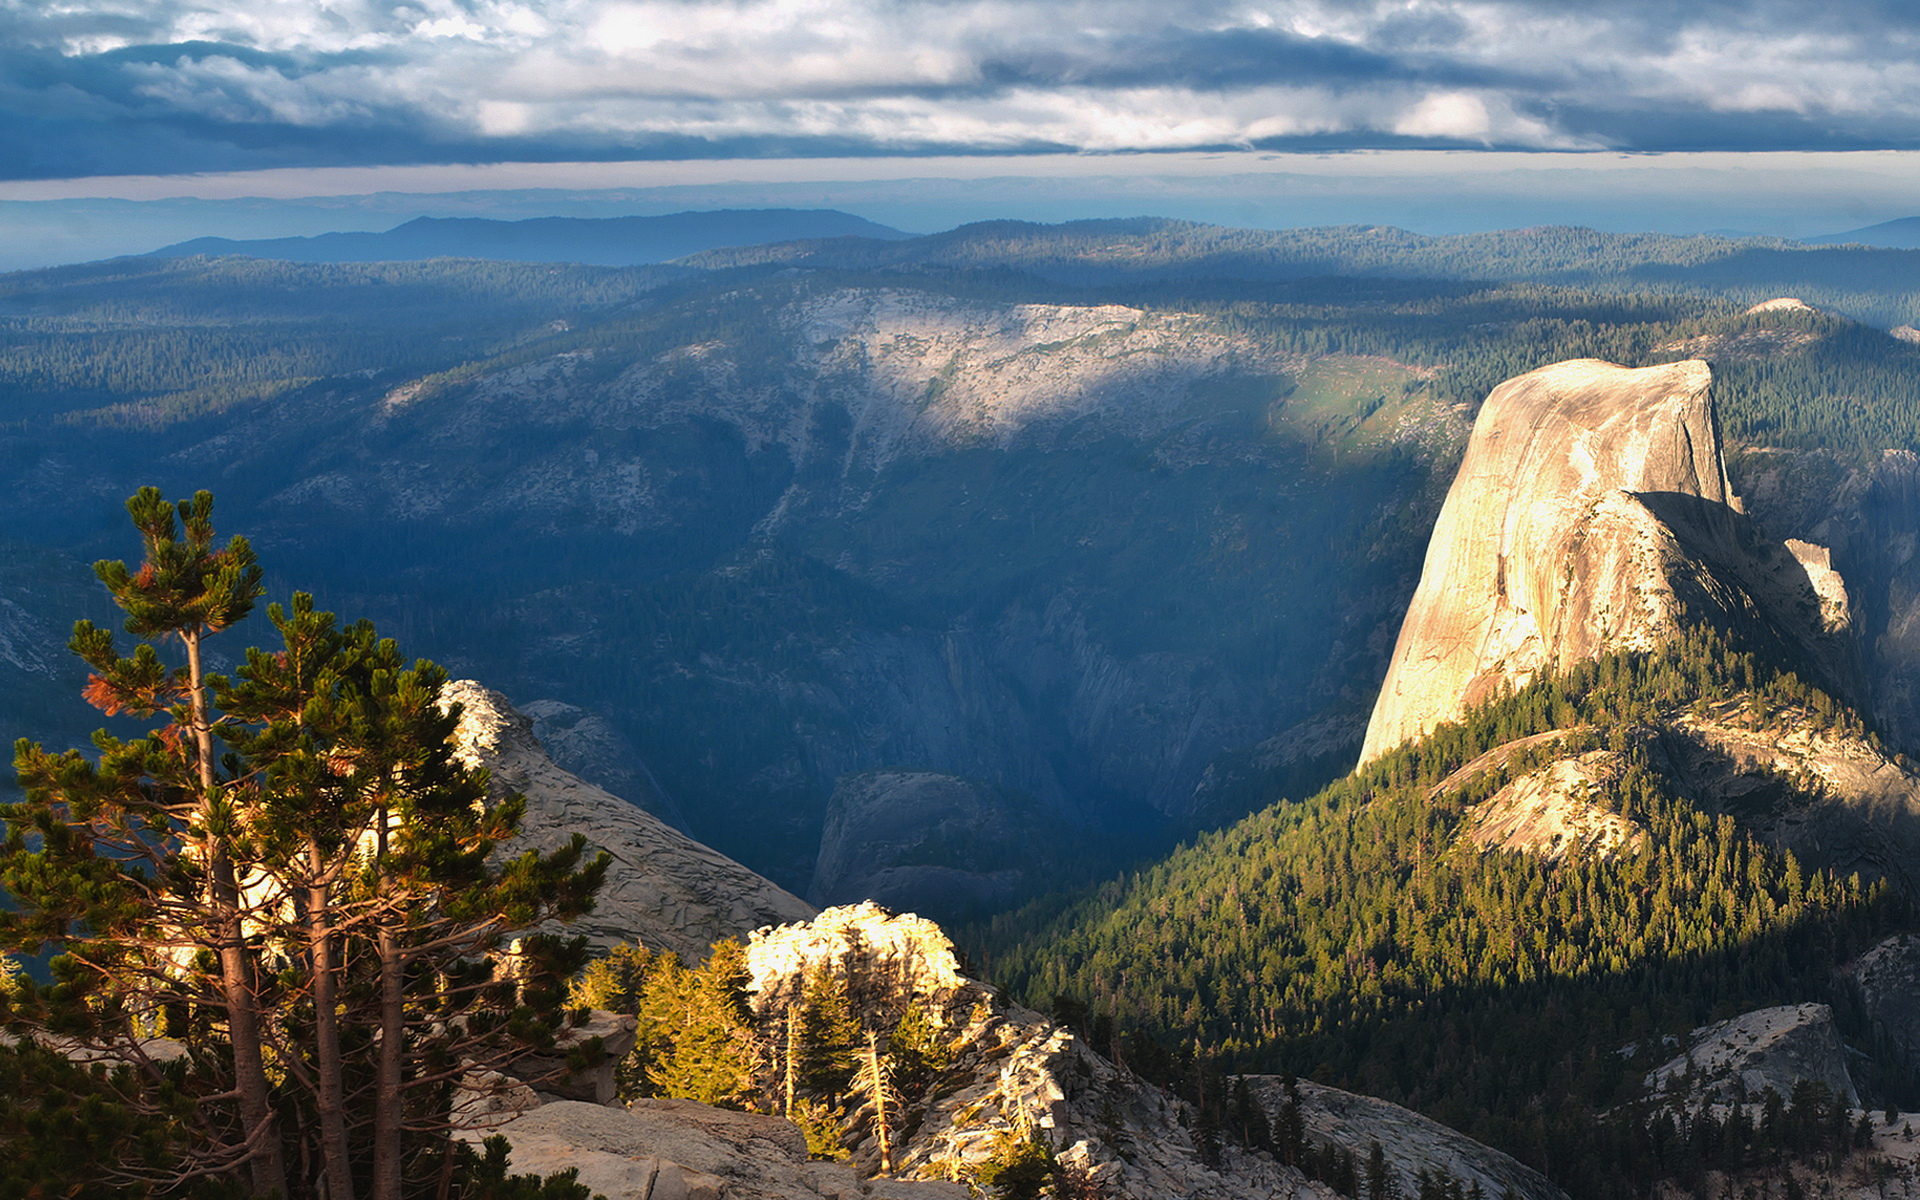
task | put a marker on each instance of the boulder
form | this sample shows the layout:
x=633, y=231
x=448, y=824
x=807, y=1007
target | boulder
x=595, y=1083
x=680, y=1150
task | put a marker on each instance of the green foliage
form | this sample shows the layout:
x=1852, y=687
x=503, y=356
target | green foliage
x=291, y=874
x=143, y=342
x=695, y=1026
x=918, y=1053
x=615, y=981
x=829, y=1035
x=92, y=1134
x=484, y=1177
x=822, y=1125
x=1354, y=939
x=1018, y=1168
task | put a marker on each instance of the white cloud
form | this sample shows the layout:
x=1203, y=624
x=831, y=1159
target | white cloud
x=1092, y=75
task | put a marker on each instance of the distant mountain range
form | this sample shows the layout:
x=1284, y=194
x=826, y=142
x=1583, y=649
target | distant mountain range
x=1903, y=234
x=607, y=242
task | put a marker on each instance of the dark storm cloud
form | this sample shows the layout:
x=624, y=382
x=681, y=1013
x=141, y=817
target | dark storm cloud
x=114, y=86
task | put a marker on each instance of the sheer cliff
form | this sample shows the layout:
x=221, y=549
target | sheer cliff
x=1592, y=513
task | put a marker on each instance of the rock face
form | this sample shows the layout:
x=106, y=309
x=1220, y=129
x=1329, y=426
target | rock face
x=1869, y=514
x=1543, y=553
x=679, y=1150
x=1767, y=1048
x=1551, y=812
x=665, y=889
x=1413, y=1144
x=926, y=842
x=1591, y=511
x=1887, y=982
x=1831, y=797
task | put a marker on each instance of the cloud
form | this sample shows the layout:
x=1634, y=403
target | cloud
x=121, y=86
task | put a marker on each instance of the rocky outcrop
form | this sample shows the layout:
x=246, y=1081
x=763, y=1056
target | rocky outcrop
x=1543, y=553
x=1412, y=1144
x=679, y=1150
x=1740, y=1059
x=1591, y=512
x=1886, y=980
x=1831, y=796
x=547, y=1072
x=926, y=842
x=1836, y=612
x=899, y=954
x=1014, y=1073
x=1025, y=1073
x=1553, y=811
x=1869, y=516
x=665, y=889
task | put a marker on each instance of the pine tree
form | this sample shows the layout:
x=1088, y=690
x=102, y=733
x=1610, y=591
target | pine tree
x=322, y=897
x=829, y=1035
x=697, y=1023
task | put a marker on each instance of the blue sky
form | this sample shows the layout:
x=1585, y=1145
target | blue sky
x=1125, y=103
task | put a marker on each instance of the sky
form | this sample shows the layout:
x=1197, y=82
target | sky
x=1762, y=115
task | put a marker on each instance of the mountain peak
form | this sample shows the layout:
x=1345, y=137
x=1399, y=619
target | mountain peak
x=1546, y=550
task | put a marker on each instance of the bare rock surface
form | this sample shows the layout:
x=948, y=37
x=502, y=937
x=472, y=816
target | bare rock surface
x=588, y=745
x=595, y=1084
x=1412, y=1144
x=1836, y=611
x=1591, y=513
x=665, y=889
x=1887, y=980
x=1767, y=1048
x=679, y=1150
x=1024, y=1072
x=1543, y=554
x=1832, y=797
x=1553, y=810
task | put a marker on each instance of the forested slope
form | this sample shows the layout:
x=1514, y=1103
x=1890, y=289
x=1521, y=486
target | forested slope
x=1357, y=939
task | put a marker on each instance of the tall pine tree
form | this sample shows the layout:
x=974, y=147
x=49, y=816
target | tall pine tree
x=318, y=913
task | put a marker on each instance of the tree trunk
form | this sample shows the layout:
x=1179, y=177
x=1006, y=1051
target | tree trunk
x=236, y=967
x=879, y=1083
x=793, y=1051
x=330, y=1081
x=388, y=1096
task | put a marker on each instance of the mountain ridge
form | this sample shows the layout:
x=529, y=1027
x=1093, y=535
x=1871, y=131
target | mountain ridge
x=594, y=241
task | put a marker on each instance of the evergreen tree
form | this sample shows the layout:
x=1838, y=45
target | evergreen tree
x=319, y=899
x=698, y=1026
x=829, y=1034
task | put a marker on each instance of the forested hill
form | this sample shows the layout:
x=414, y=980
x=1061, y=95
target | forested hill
x=1098, y=555
x=1870, y=284
x=599, y=241
x=1360, y=939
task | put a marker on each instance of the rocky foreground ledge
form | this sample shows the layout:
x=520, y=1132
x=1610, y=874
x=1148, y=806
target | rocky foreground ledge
x=1015, y=1073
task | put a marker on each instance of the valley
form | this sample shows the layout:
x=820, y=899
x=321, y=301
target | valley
x=1042, y=580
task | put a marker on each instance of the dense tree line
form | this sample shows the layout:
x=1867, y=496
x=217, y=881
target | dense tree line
x=1352, y=938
